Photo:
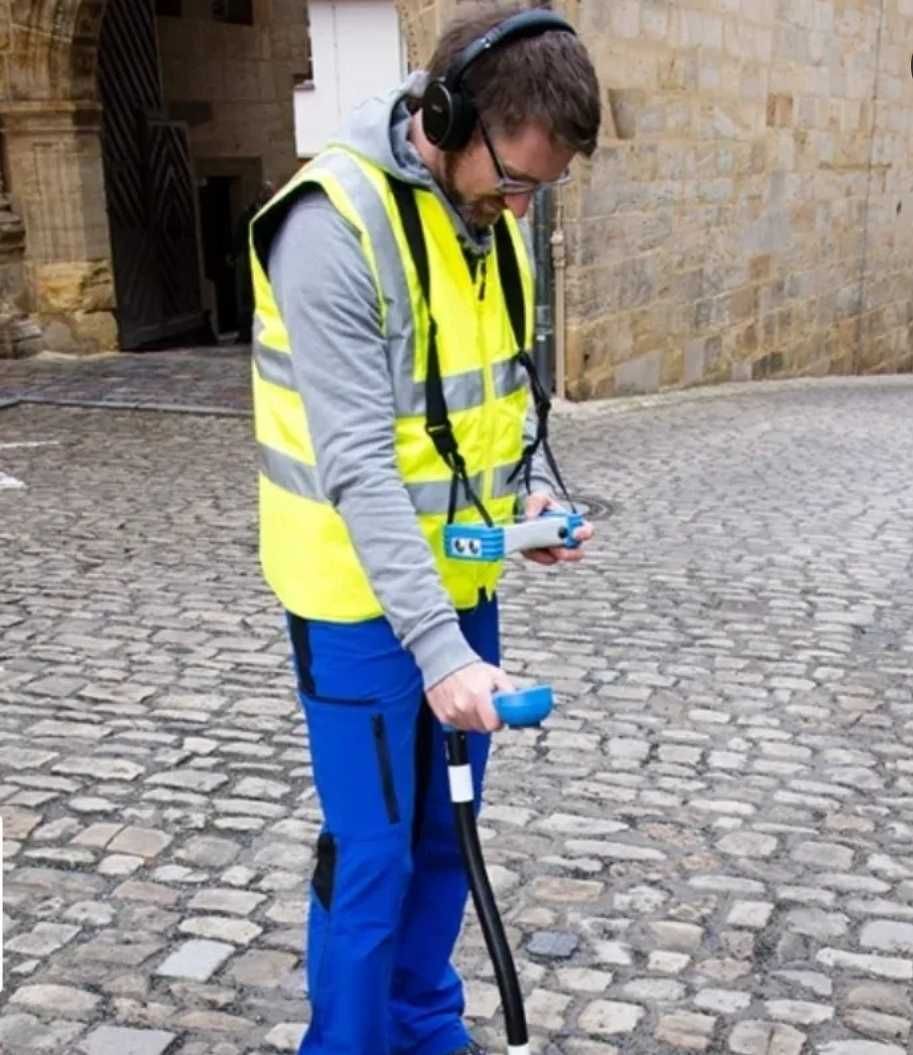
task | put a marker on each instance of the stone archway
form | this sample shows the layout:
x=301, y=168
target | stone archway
x=51, y=123
x=54, y=46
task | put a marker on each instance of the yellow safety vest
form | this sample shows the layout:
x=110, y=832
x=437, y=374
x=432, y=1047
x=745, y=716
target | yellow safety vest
x=305, y=550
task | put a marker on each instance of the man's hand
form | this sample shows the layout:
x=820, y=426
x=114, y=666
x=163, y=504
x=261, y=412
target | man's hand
x=536, y=504
x=463, y=699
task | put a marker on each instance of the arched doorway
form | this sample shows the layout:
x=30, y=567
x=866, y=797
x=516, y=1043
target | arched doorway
x=150, y=187
x=54, y=124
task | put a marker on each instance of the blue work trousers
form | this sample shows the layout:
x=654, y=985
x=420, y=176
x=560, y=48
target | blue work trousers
x=389, y=888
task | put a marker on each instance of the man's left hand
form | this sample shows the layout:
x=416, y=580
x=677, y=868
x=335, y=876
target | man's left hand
x=536, y=504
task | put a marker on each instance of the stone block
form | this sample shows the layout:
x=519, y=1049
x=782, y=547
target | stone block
x=639, y=375
x=64, y=1000
x=555, y=945
x=83, y=286
x=625, y=106
x=654, y=19
x=197, y=959
x=741, y=370
x=608, y=1017
x=765, y=1038
x=625, y=19
x=117, y=1040
x=96, y=331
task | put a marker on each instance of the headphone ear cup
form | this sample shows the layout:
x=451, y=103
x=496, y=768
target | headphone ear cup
x=448, y=118
x=437, y=113
x=463, y=121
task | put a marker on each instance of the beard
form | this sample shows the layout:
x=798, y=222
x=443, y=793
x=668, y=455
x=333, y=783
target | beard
x=480, y=212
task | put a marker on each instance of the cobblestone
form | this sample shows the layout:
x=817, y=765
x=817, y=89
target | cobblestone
x=713, y=830
x=117, y=1040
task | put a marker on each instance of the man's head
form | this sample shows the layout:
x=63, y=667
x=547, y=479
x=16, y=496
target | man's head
x=535, y=99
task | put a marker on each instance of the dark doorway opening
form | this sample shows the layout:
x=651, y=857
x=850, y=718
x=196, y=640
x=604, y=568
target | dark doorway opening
x=150, y=188
x=220, y=249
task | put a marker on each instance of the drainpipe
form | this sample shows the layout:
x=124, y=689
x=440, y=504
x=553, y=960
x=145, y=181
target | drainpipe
x=559, y=263
x=543, y=225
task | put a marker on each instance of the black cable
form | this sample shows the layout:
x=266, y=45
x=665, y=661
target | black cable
x=485, y=905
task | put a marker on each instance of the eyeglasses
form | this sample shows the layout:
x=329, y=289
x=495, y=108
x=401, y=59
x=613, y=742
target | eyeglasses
x=508, y=185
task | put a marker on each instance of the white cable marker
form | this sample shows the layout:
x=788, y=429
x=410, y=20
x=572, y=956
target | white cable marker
x=518, y=1049
x=460, y=783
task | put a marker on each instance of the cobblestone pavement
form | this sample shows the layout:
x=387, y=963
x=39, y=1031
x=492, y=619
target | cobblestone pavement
x=709, y=847
x=213, y=379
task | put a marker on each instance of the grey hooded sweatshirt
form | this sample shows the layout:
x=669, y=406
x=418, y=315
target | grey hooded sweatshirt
x=328, y=301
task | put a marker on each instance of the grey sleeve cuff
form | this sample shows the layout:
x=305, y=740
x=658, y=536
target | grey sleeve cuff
x=541, y=481
x=440, y=651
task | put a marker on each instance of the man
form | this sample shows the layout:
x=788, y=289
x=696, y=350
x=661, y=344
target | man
x=393, y=294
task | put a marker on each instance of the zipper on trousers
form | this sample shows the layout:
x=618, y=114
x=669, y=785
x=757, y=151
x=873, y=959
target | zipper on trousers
x=382, y=747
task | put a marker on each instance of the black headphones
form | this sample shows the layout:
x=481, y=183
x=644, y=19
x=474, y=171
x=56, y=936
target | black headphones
x=448, y=114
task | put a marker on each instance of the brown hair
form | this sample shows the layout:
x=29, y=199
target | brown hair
x=546, y=79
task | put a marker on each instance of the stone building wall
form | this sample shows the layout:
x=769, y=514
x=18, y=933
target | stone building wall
x=748, y=211
x=233, y=84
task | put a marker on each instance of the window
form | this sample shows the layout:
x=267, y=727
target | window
x=169, y=8
x=239, y=12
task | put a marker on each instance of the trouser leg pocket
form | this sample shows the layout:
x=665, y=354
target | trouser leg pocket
x=385, y=767
x=325, y=871
x=362, y=755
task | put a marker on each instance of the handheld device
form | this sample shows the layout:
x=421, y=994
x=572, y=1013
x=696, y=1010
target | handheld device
x=477, y=542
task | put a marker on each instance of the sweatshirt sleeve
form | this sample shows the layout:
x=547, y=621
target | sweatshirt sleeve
x=328, y=302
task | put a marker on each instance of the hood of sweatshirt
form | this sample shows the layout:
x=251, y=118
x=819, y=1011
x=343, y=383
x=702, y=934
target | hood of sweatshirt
x=378, y=130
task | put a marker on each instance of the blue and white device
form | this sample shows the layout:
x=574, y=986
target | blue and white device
x=477, y=542
x=525, y=707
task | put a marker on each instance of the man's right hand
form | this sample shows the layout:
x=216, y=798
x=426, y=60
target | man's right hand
x=463, y=699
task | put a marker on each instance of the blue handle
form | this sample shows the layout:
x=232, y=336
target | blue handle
x=524, y=708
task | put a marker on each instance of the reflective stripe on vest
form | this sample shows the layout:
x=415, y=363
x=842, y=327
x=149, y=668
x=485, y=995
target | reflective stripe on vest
x=428, y=498
x=306, y=552
x=461, y=392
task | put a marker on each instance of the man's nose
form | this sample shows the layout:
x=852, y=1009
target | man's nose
x=519, y=203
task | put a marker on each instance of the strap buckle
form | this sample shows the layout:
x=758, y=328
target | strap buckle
x=442, y=437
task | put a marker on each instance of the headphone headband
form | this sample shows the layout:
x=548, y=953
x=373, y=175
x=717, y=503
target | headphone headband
x=524, y=24
x=448, y=112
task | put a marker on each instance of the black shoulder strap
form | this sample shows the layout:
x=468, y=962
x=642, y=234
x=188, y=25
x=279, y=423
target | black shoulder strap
x=435, y=405
x=511, y=283
x=437, y=420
